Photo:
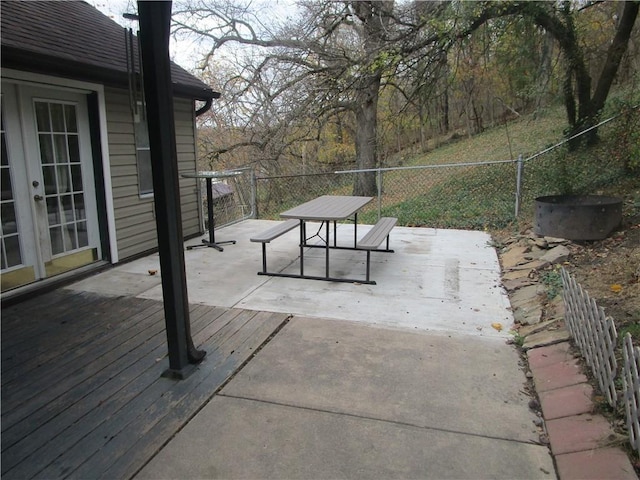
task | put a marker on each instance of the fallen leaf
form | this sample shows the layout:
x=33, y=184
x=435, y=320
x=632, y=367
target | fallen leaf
x=497, y=326
x=616, y=288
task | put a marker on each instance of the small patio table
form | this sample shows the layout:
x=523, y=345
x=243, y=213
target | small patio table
x=209, y=177
x=326, y=209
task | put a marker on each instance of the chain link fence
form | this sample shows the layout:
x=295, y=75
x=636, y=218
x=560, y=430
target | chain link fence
x=454, y=196
x=464, y=195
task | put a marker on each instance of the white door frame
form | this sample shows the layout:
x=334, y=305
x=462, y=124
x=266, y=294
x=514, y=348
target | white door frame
x=35, y=181
x=46, y=81
x=29, y=248
x=45, y=87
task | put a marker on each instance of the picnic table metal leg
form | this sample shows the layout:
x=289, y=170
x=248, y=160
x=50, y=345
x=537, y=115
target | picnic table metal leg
x=355, y=231
x=368, y=264
x=303, y=239
x=335, y=234
x=327, y=250
x=264, y=257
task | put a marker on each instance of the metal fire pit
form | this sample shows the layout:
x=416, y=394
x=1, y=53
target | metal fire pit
x=577, y=217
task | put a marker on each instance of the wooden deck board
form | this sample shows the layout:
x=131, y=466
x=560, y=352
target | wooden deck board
x=102, y=408
x=40, y=422
x=90, y=331
x=54, y=369
x=73, y=318
x=46, y=358
x=56, y=393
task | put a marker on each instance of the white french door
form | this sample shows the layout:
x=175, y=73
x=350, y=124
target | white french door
x=49, y=217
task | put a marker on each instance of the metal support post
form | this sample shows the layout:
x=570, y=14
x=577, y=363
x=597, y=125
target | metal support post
x=155, y=20
x=379, y=193
x=519, y=169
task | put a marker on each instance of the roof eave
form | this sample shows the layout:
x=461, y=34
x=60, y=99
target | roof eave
x=34, y=62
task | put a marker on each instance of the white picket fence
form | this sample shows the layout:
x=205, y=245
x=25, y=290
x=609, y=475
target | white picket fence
x=595, y=334
x=631, y=390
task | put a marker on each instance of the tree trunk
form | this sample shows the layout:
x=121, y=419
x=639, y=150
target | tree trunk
x=545, y=69
x=375, y=16
x=366, y=129
x=614, y=55
x=588, y=107
x=444, y=111
x=423, y=136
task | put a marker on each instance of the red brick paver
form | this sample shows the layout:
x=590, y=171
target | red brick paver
x=578, y=433
x=577, y=438
x=558, y=375
x=599, y=464
x=566, y=401
x=545, y=356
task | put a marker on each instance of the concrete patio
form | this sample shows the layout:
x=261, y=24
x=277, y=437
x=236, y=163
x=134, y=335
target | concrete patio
x=437, y=280
x=409, y=378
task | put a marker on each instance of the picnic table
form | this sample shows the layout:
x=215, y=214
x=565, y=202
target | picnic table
x=328, y=209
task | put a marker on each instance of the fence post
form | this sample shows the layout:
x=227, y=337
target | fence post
x=379, y=193
x=520, y=166
x=254, y=193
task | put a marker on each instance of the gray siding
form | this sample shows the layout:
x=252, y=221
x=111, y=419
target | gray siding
x=135, y=216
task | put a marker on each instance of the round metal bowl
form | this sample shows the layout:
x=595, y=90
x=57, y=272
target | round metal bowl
x=577, y=217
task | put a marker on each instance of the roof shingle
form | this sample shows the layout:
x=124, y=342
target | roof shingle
x=73, y=38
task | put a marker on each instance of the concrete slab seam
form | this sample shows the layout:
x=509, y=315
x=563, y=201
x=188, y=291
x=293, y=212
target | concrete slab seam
x=382, y=420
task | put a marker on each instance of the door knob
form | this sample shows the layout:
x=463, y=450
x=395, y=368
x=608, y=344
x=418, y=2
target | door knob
x=38, y=198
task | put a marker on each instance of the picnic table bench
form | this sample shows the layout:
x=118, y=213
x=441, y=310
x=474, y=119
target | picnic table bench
x=374, y=238
x=271, y=234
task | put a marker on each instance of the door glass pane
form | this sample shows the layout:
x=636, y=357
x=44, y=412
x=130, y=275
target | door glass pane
x=74, y=149
x=9, y=222
x=10, y=253
x=78, y=201
x=57, y=117
x=49, y=177
x=42, y=117
x=46, y=148
x=5, y=157
x=69, y=236
x=5, y=184
x=64, y=179
x=76, y=176
x=53, y=212
x=57, y=246
x=62, y=155
x=70, y=117
x=83, y=238
x=67, y=208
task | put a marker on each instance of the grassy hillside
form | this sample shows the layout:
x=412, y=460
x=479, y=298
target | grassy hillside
x=450, y=186
x=526, y=135
x=483, y=196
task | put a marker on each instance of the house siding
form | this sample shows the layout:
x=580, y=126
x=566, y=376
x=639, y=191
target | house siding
x=135, y=216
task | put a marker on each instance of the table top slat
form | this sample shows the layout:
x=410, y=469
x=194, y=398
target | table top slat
x=328, y=207
x=219, y=174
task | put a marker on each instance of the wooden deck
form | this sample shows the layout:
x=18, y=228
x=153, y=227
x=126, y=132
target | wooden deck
x=82, y=392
